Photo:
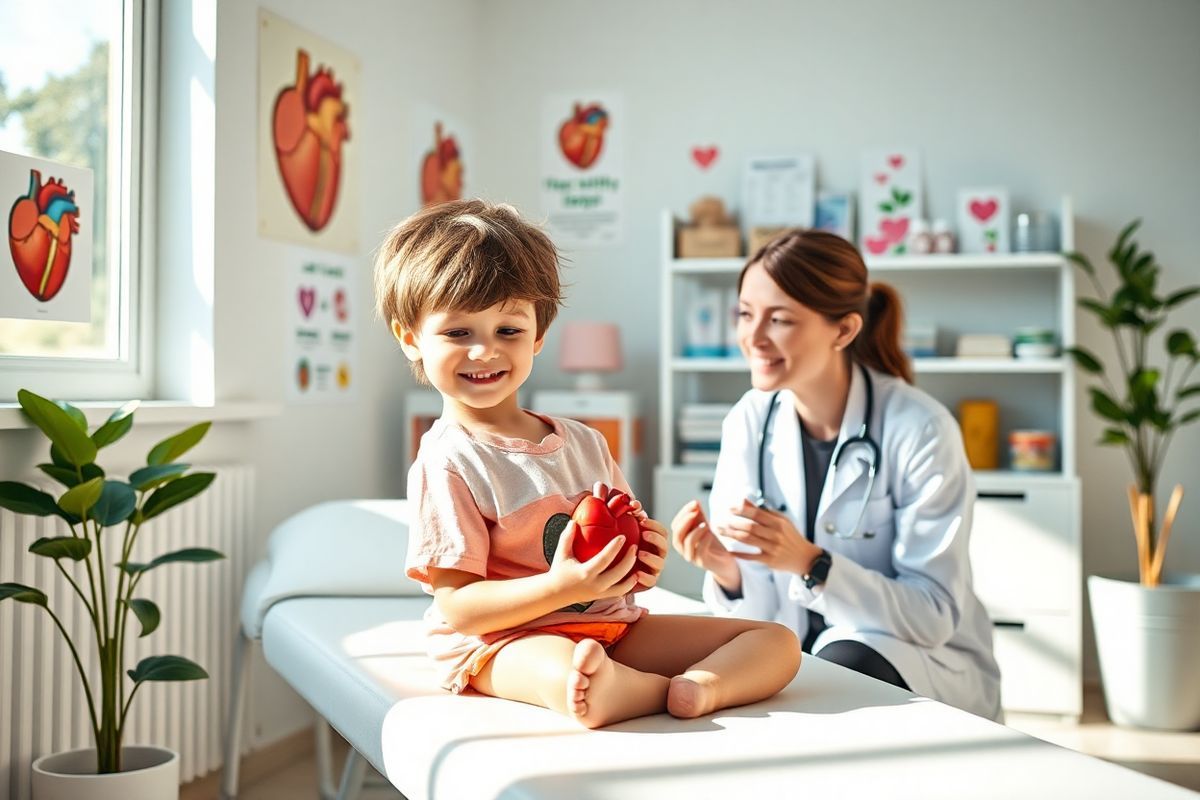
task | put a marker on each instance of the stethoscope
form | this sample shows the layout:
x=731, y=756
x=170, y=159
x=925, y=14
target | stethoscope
x=862, y=438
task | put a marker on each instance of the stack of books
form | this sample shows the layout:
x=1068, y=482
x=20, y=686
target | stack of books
x=700, y=432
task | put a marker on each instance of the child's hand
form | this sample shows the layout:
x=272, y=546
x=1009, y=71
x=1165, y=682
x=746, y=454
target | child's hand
x=654, y=533
x=606, y=574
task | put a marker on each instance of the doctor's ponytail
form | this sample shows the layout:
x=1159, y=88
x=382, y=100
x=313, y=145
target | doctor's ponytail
x=826, y=273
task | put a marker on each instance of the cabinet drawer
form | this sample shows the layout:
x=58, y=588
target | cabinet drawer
x=1025, y=554
x=1040, y=663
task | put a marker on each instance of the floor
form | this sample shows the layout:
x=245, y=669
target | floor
x=1173, y=757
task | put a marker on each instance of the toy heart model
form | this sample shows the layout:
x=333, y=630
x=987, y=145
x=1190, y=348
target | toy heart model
x=40, y=227
x=309, y=128
x=581, y=137
x=599, y=521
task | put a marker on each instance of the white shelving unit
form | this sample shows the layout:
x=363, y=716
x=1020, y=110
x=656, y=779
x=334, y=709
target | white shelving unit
x=1025, y=545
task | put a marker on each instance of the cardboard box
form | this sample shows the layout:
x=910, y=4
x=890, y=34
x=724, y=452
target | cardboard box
x=710, y=241
x=760, y=236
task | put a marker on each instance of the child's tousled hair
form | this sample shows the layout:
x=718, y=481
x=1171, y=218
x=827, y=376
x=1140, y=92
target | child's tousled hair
x=826, y=273
x=465, y=255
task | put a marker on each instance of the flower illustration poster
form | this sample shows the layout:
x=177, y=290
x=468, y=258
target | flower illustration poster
x=582, y=168
x=308, y=118
x=889, y=199
x=46, y=270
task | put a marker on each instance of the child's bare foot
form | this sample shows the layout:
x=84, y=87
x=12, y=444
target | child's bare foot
x=600, y=691
x=693, y=694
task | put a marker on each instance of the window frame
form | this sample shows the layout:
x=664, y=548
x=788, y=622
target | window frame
x=129, y=374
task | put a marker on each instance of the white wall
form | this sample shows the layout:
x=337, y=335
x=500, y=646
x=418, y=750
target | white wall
x=1095, y=99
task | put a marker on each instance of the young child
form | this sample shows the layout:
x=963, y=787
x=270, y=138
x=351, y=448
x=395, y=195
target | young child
x=469, y=289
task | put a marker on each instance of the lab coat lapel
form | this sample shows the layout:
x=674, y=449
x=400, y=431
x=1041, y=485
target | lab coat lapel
x=786, y=462
x=851, y=467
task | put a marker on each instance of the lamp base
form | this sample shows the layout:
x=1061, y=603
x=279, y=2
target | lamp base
x=588, y=382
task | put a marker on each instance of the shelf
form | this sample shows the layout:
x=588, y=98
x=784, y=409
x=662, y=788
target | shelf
x=920, y=365
x=955, y=261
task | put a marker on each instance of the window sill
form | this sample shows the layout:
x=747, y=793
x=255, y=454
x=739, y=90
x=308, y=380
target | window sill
x=156, y=412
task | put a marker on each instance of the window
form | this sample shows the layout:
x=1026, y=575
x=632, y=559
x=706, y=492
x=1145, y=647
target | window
x=72, y=75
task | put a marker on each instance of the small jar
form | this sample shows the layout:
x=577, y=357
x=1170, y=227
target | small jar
x=1035, y=232
x=943, y=237
x=920, y=239
x=1032, y=451
x=1034, y=343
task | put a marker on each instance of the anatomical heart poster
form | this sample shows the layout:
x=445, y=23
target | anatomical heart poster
x=442, y=148
x=582, y=168
x=46, y=270
x=307, y=152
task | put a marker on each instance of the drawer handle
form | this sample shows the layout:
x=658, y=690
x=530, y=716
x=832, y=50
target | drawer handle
x=706, y=486
x=1018, y=496
x=1004, y=623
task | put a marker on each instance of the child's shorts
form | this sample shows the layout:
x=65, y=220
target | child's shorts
x=606, y=633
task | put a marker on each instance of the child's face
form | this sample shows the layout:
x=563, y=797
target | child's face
x=478, y=358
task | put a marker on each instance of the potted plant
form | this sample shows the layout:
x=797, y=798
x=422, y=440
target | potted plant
x=90, y=505
x=1146, y=631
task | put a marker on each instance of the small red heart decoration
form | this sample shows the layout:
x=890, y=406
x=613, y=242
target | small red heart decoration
x=308, y=299
x=704, y=156
x=41, y=227
x=582, y=135
x=983, y=211
x=896, y=161
x=876, y=245
x=894, y=230
x=600, y=521
x=881, y=178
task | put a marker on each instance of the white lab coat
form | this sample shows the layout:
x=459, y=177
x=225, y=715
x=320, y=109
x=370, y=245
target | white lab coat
x=907, y=593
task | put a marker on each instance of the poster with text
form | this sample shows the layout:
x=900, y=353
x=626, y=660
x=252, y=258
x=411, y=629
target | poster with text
x=582, y=169
x=441, y=146
x=307, y=158
x=46, y=272
x=321, y=323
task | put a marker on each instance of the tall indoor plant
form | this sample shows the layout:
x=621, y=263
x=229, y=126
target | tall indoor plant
x=1146, y=634
x=91, y=504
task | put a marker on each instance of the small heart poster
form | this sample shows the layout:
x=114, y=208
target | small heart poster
x=890, y=198
x=320, y=361
x=46, y=269
x=983, y=220
x=309, y=120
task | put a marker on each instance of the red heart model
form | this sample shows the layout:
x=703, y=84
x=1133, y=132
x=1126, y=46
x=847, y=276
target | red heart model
x=40, y=227
x=581, y=137
x=601, y=520
x=309, y=130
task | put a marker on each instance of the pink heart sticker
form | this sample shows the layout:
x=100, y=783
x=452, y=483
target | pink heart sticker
x=705, y=156
x=308, y=299
x=896, y=161
x=894, y=230
x=983, y=211
x=877, y=246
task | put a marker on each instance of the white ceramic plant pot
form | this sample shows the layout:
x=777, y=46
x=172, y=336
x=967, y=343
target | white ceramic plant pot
x=1149, y=646
x=149, y=773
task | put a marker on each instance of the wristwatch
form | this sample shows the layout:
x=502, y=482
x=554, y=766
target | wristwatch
x=819, y=570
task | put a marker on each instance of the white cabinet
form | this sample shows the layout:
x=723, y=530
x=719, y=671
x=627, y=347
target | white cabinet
x=1025, y=548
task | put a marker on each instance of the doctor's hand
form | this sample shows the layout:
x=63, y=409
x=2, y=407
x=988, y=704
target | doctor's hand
x=694, y=539
x=782, y=546
x=651, y=559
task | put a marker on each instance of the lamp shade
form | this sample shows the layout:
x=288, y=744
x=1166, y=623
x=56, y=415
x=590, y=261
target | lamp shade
x=590, y=347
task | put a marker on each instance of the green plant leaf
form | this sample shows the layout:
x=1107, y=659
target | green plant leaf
x=192, y=555
x=1181, y=343
x=117, y=425
x=147, y=478
x=1188, y=417
x=1188, y=391
x=176, y=492
x=22, y=594
x=166, y=668
x=173, y=447
x=1086, y=361
x=63, y=431
x=132, y=567
x=72, y=547
x=1112, y=436
x=1106, y=407
x=74, y=413
x=1182, y=296
x=58, y=458
x=1120, y=245
x=78, y=500
x=68, y=476
x=22, y=499
x=147, y=613
x=1081, y=261
x=1108, y=316
x=117, y=501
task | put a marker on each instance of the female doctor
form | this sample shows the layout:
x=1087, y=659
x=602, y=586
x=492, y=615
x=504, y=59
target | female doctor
x=841, y=505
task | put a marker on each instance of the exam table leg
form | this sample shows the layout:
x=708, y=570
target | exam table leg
x=233, y=721
x=353, y=776
x=324, y=760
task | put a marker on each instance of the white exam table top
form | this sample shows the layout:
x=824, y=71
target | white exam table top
x=832, y=733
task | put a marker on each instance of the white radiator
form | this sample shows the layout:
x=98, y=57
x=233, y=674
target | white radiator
x=42, y=704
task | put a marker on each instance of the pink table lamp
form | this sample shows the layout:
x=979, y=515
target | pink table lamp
x=590, y=349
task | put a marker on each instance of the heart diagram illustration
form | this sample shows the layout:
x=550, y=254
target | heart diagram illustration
x=581, y=137
x=41, y=226
x=705, y=156
x=441, y=170
x=310, y=129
